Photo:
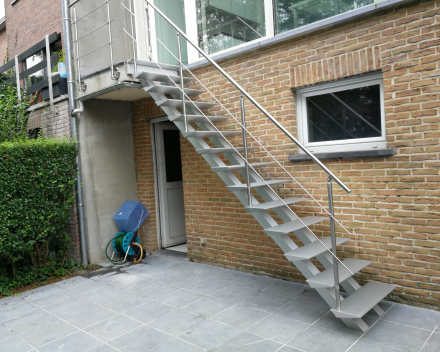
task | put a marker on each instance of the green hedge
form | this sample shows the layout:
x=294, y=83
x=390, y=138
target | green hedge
x=37, y=179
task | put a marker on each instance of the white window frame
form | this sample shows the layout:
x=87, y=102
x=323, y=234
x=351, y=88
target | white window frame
x=192, y=29
x=340, y=145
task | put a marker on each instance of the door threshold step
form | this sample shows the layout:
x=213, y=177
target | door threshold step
x=313, y=249
x=326, y=279
x=363, y=300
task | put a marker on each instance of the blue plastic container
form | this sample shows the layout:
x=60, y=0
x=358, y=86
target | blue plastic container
x=130, y=216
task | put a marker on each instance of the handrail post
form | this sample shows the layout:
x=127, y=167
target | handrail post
x=81, y=85
x=333, y=241
x=182, y=84
x=17, y=77
x=114, y=72
x=243, y=123
x=49, y=74
x=132, y=39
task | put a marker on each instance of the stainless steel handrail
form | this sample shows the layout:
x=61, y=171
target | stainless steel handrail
x=247, y=95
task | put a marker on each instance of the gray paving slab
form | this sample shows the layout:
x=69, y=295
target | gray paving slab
x=139, y=340
x=183, y=280
x=397, y=336
x=207, y=271
x=278, y=328
x=176, y=322
x=181, y=298
x=316, y=339
x=288, y=289
x=8, y=302
x=433, y=344
x=235, y=293
x=208, y=306
x=303, y=311
x=18, y=311
x=232, y=276
x=207, y=286
x=72, y=282
x=113, y=327
x=312, y=296
x=267, y=302
x=123, y=302
x=256, y=282
x=245, y=342
x=30, y=321
x=368, y=346
x=160, y=275
x=40, y=292
x=176, y=345
x=15, y=344
x=51, y=300
x=149, y=311
x=413, y=316
x=288, y=349
x=5, y=333
x=184, y=267
x=77, y=342
x=65, y=309
x=48, y=333
x=130, y=282
x=88, y=289
x=90, y=317
x=330, y=322
x=157, y=291
x=209, y=334
x=240, y=317
x=103, y=348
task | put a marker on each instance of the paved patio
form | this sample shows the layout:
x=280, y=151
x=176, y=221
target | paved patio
x=166, y=305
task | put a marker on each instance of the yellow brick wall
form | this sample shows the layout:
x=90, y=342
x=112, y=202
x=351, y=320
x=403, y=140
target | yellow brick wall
x=393, y=211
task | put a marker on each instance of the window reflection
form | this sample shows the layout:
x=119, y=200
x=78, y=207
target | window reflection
x=223, y=24
x=291, y=14
x=31, y=62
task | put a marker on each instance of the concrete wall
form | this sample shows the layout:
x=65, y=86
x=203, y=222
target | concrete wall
x=108, y=169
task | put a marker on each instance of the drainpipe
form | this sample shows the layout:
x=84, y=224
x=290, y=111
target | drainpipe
x=74, y=111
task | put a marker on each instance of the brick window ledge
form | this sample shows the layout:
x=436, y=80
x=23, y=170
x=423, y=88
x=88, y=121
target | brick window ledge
x=376, y=153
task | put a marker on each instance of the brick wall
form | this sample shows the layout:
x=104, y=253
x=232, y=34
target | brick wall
x=58, y=125
x=394, y=209
x=3, y=46
x=29, y=21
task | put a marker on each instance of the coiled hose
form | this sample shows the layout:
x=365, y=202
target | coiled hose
x=119, y=238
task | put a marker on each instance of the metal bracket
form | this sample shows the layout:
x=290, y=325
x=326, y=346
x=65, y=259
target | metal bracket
x=82, y=86
x=116, y=73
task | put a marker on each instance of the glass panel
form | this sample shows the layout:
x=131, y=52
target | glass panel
x=347, y=114
x=31, y=62
x=173, y=161
x=175, y=11
x=291, y=14
x=223, y=24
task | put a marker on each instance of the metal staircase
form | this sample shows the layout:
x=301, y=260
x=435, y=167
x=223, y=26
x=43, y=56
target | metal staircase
x=165, y=83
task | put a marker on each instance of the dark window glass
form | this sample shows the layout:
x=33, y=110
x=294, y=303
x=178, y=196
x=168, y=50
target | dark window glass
x=173, y=161
x=291, y=14
x=348, y=114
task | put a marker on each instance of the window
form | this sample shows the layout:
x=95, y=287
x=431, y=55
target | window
x=291, y=14
x=343, y=115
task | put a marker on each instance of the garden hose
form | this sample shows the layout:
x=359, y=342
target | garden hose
x=142, y=253
x=118, y=246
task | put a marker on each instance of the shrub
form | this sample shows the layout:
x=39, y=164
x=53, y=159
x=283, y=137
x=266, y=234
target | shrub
x=37, y=178
x=13, y=114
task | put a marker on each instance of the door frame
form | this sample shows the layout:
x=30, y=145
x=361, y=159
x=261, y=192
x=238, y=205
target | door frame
x=157, y=193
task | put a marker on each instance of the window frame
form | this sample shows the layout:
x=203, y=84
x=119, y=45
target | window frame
x=358, y=144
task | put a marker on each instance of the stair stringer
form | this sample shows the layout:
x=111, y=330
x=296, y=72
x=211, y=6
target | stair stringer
x=306, y=267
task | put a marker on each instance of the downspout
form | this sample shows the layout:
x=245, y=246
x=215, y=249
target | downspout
x=74, y=111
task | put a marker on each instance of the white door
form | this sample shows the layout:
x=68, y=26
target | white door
x=170, y=185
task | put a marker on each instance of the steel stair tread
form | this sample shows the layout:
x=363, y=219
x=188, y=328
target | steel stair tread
x=223, y=150
x=256, y=184
x=207, y=134
x=326, y=279
x=199, y=118
x=313, y=249
x=164, y=89
x=238, y=167
x=177, y=103
x=154, y=64
x=274, y=204
x=161, y=77
x=294, y=225
x=360, y=302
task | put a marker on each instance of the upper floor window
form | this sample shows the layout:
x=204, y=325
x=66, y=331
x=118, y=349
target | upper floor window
x=343, y=115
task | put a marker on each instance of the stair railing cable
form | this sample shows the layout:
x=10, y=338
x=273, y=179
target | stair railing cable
x=246, y=161
x=241, y=125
